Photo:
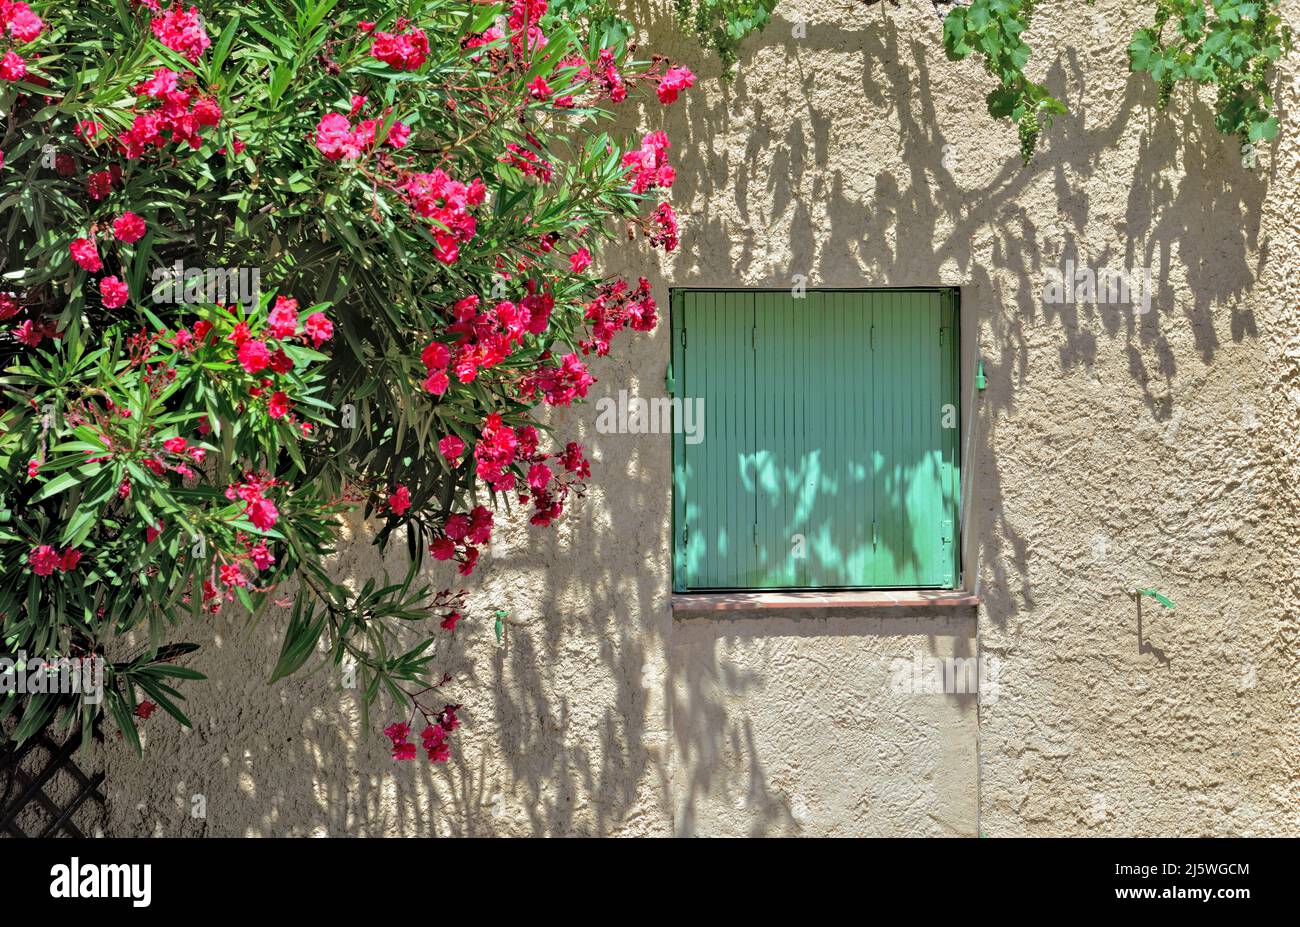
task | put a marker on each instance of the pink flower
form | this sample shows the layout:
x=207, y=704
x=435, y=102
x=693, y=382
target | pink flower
x=539, y=476
x=145, y=709
x=163, y=82
x=538, y=89
x=182, y=32
x=44, y=560
x=398, y=135
x=283, y=319
x=68, y=562
x=24, y=25
x=319, y=329
x=405, y=51
x=443, y=549
x=449, y=623
x=99, y=184
x=113, y=292
x=279, y=405
x=334, y=137
x=260, y=554
x=404, y=751
x=176, y=445
x=12, y=66
x=437, y=382
x=673, y=83
x=84, y=253
x=664, y=227
x=435, y=355
x=254, y=356
x=451, y=447
x=457, y=527
x=232, y=576
x=398, y=731
x=580, y=260
x=262, y=513
x=128, y=228
x=400, y=501
x=207, y=112
x=649, y=166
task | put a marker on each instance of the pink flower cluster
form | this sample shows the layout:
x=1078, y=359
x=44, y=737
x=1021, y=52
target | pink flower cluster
x=258, y=509
x=558, y=386
x=45, y=560
x=338, y=139
x=169, y=108
x=433, y=738
x=182, y=31
x=128, y=228
x=614, y=309
x=406, y=49
x=20, y=25
x=663, y=227
x=648, y=166
x=435, y=196
x=548, y=490
x=463, y=535
x=674, y=81
x=526, y=35
x=282, y=325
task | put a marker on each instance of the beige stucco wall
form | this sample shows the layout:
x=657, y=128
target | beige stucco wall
x=1111, y=450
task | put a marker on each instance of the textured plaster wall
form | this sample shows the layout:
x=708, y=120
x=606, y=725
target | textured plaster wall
x=1111, y=450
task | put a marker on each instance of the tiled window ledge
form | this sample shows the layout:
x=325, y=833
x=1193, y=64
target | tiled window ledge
x=696, y=603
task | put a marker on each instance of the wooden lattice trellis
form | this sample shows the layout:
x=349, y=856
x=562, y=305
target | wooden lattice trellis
x=21, y=788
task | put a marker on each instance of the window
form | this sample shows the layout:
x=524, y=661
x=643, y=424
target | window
x=828, y=456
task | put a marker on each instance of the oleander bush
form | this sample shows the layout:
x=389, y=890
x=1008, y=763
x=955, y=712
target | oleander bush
x=269, y=263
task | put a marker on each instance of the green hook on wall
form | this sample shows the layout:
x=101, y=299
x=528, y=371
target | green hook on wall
x=499, y=626
x=981, y=381
x=1159, y=597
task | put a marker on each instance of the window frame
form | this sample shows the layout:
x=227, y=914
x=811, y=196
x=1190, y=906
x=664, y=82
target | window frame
x=677, y=371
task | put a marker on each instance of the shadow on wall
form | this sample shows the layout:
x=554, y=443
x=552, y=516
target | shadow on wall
x=569, y=723
x=765, y=163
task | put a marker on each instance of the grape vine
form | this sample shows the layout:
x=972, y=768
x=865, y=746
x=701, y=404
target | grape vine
x=1235, y=50
x=994, y=28
x=723, y=24
x=1233, y=44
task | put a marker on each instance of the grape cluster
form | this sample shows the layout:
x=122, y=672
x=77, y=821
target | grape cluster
x=1029, y=130
x=1166, y=92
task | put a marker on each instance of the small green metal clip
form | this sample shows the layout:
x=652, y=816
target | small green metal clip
x=981, y=381
x=500, y=626
x=1162, y=599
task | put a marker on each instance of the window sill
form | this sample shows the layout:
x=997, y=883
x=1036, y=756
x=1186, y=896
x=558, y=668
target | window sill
x=695, y=603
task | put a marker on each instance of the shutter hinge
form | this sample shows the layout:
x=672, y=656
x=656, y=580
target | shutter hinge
x=755, y=535
x=873, y=336
x=753, y=337
x=683, y=336
x=873, y=532
x=686, y=535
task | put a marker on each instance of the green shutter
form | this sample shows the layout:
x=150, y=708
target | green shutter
x=823, y=436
